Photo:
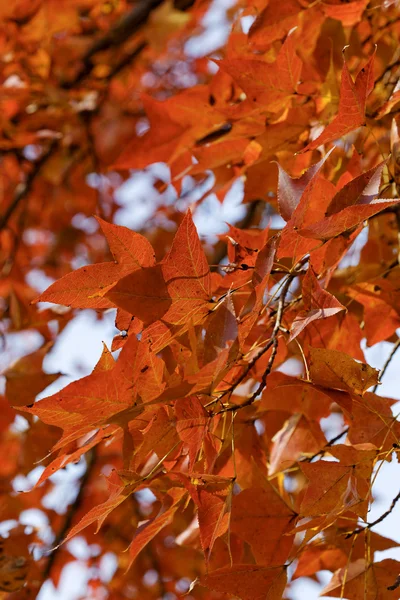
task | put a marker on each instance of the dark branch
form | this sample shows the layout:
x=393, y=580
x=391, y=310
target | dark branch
x=126, y=27
x=127, y=59
x=23, y=188
x=273, y=342
x=387, y=363
x=378, y=520
x=327, y=445
x=395, y=585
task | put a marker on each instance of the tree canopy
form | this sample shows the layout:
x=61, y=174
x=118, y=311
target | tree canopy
x=231, y=435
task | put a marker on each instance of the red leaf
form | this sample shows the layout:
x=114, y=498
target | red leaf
x=259, y=509
x=353, y=97
x=248, y=582
x=146, y=532
x=290, y=189
x=265, y=83
x=333, y=369
x=318, y=303
x=85, y=287
x=176, y=290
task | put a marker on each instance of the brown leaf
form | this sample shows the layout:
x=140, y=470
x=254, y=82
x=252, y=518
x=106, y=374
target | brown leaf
x=333, y=369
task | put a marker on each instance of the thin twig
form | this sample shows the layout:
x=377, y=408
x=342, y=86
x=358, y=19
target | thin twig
x=395, y=585
x=387, y=363
x=327, y=445
x=273, y=342
x=23, y=188
x=378, y=520
x=126, y=60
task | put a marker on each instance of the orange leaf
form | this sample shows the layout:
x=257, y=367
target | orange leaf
x=351, y=113
x=260, y=509
x=265, y=83
x=360, y=581
x=146, y=532
x=299, y=437
x=333, y=369
x=85, y=287
x=248, y=582
x=26, y=378
x=318, y=303
x=176, y=290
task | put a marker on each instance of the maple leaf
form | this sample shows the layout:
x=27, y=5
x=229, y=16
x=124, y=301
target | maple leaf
x=267, y=84
x=334, y=369
x=260, y=509
x=361, y=580
x=249, y=582
x=274, y=22
x=351, y=113
x=146, y=532
x=334, y=487
x=212, y=496
x=106, y=395
x=294, y=396
x=192, y=424
x=119, y=492
x=291, y=190
x=318, y=303
x=177, y=289
x=200, y=420
x=84, y=287
x=26, y=378
x=298, y=437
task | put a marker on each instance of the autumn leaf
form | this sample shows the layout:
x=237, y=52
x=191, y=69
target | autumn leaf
x=15, y=560
x=274, y=21
x=351, y=113
x=249, y=582
x=298, y=437
x=318, y=304
x=260, y=509
x=175, y=290
x=228, y=437
x=331, y=368
x=85, y=287
x=26, y=378
x=360, y=580
x=146, y=532
x=264, y=83
x=291, y=189
x=336, y=486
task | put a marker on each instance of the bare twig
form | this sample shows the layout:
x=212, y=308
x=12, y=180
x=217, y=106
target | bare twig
x=23, y=188
x=378, y=520
x=127, y=59
x=327, y=445
x=272, y=343
x=395, y=585
x=387, y=363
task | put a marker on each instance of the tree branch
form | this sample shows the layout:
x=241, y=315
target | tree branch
x=378, y=520
x=125, y=28
x=23, y=188
x=272, y=342
x=387, y=363
x=327, y=445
